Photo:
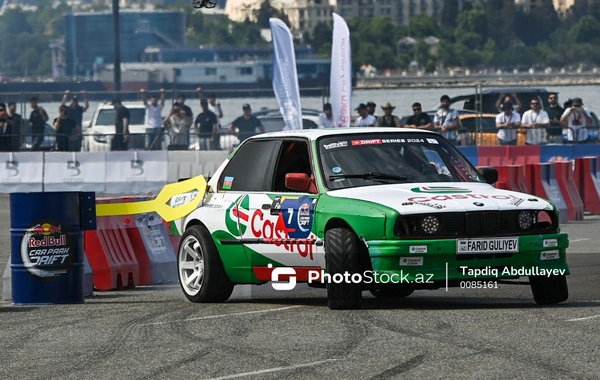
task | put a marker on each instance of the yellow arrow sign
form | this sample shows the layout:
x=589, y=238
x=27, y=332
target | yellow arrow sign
x=160, y=204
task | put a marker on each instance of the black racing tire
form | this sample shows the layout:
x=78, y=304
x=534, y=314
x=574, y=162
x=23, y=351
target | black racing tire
x=214, y=286
x=549, y=290
x=390, y=293
x=342, y=255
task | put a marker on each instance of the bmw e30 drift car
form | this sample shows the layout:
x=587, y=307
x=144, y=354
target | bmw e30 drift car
x=397, y=203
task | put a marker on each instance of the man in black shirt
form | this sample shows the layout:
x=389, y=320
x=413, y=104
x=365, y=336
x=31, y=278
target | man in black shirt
x=67, y=131
x=189, y=116
x=76, y=113
x=555, y=111
x=4, y=129
x=419, y=119
x=119, y=141
x=38, y=119
x=206, y=126
x=246, y=124
x=16, y=128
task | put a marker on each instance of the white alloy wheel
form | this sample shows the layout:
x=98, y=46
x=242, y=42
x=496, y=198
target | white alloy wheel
x=191, y=265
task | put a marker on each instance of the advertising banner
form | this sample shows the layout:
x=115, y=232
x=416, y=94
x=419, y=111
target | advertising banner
x=340, y=85
x=72, y=171
x=21, y=172
x=136, y=172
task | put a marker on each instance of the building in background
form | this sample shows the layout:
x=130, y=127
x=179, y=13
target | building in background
x=169, y=55
x=89, y=37
x=562, y=6
x=400, y=11
x=304, y=15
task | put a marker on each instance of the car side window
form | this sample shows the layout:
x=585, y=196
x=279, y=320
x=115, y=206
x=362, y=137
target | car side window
x=293, y=157
x=249, y=169
x=435, y=159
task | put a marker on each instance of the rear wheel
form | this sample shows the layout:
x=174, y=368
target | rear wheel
x=201, y=273
x=389, y=293
x=549, y=290
x=341, y=256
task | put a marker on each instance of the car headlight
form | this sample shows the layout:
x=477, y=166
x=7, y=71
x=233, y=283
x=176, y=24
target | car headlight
x=431, y=224
x=526, y=220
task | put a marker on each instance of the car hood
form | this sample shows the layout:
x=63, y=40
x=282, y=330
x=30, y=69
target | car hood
x=435, y=197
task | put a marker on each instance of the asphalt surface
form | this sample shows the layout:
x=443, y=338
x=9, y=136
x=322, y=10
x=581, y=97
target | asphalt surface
x=153, y=332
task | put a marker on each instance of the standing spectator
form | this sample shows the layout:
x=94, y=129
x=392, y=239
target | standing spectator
x=555, y=112
x=178, y=128
x=576, y=118
x=388, y=120
x=153, y=119
x=206, y=126
x=512, y=98
x=371, y=107
x=67, y=131
x=364, y=120
x=121, y=137
x=76, y=113
x=17, y=128
x=326, y=117
x=447, y=120
x=419, y=119
x=38, y=119
x=507, y=122
x=246, y=124
x=189, y=115
x=537, y=121
x=214, y=105
x=4, y=129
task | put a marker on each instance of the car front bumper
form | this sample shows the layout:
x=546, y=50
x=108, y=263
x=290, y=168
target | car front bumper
x=437, y=259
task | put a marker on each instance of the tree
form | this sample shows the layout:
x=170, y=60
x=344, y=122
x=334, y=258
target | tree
x=422, y=26
x=449, y=15
x=587, y=30
x=266, y=11
x=471, y=30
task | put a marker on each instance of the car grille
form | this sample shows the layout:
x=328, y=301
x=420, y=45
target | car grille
x=472, y=224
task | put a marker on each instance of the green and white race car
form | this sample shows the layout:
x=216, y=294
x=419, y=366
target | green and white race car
x=383, y=210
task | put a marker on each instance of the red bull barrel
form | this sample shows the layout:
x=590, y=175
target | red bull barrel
x=47, y=248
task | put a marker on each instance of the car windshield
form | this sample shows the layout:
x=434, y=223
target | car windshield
x=383, y=158
x=107, y=116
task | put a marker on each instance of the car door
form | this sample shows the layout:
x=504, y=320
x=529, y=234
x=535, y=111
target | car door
x=280, y=220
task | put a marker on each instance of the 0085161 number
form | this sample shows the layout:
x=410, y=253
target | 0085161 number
x=479, y=284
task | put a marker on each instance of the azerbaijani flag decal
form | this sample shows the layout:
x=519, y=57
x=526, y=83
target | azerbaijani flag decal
x=439, y=190
x=227, y=183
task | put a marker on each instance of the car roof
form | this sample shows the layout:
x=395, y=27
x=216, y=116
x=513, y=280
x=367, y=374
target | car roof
x=313, y=134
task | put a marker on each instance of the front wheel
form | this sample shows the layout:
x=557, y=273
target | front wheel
x=391, y=293
x=341, y=256
x=201, y=273
x=549, y=290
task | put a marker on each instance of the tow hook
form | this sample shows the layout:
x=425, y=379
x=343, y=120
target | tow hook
x=362, y=238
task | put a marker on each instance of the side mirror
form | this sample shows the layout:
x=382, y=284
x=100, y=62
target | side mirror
x=489, y=174
x=297, y=181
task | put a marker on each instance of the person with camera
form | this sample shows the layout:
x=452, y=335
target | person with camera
x=38, y=119
x=508, y=121
x=577, y=119
x=67, y=131
x=178, y=127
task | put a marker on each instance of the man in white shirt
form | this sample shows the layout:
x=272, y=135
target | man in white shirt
x=447, y=120
x=508, y=121
x=576, y=118
x=326, y=117
x=364, y=120
x=153, y=119
x=536, y=120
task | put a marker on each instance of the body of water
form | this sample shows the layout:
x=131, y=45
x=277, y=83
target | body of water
x=402, y=99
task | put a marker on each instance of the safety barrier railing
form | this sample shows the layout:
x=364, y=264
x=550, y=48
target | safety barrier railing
x=35, y=142
x=532, y=136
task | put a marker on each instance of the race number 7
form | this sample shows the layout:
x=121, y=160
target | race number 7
x=291, y=212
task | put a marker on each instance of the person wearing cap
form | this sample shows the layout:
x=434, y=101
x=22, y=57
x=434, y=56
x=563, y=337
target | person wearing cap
x=419, y=119
x=577, y=119
x=214, y=105
x=75, y=112
x=371, y=107
x=388, y=120
x=447, y=120
x=153, y=119
x=507, y=122
x=364, y=120
x=206, y=127
x=121, y=137
x=536, y=120
x=246, y=124
x=326, y=117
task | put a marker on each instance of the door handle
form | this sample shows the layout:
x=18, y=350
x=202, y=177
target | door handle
x=266, y=206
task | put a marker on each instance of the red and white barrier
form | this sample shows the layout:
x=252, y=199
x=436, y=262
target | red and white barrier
x=512, y=177
x=587, y=181
x=566, y=182
x=544, y=184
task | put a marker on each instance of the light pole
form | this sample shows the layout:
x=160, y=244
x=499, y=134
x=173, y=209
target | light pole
x=117, y=47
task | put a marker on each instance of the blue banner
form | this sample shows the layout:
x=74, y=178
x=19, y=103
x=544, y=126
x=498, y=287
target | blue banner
x=285, y=77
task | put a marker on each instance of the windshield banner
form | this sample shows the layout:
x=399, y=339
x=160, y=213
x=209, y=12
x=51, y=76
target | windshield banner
x=285, y=77
x=341, y=73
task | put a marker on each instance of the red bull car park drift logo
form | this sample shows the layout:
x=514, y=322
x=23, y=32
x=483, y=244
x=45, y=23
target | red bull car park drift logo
x=45, y=250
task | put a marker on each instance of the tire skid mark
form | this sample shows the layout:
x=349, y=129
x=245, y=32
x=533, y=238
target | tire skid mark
x=526, y=358
x=163, y=371
x=402, y=367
